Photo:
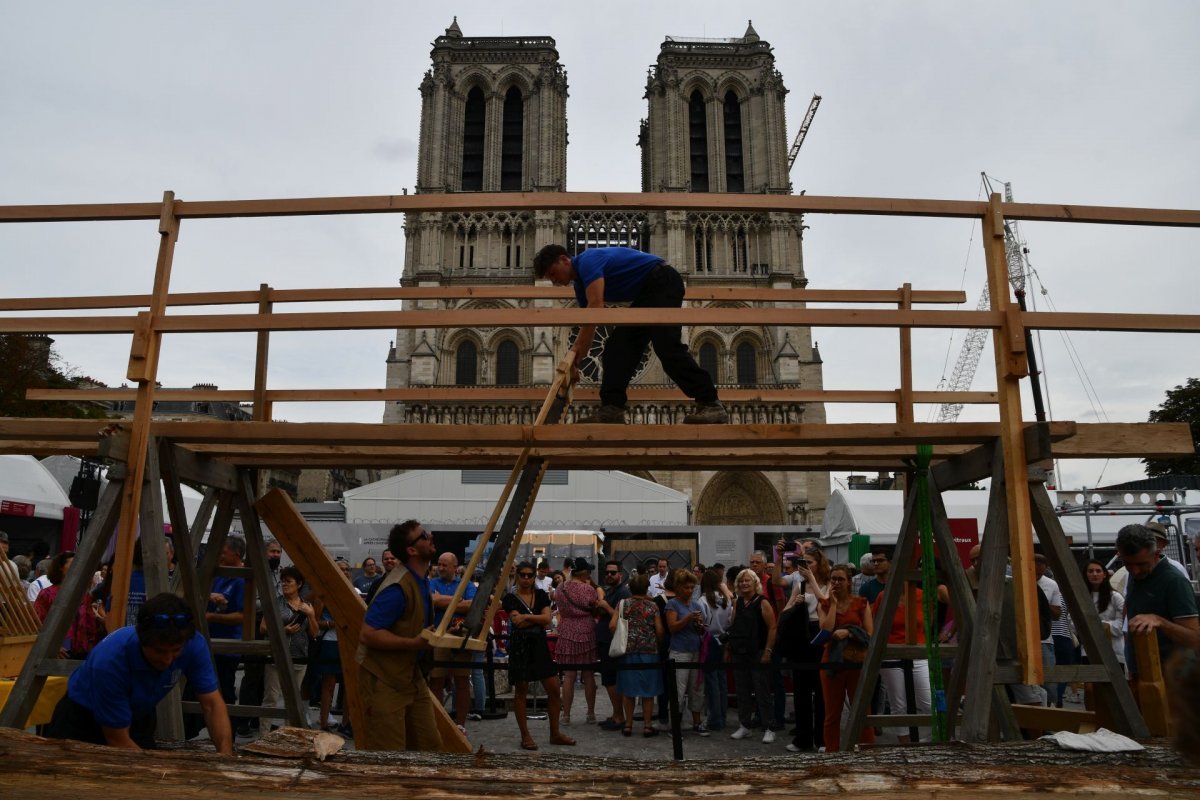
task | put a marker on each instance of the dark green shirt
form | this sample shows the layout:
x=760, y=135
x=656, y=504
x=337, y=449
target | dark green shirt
x=1164, y=592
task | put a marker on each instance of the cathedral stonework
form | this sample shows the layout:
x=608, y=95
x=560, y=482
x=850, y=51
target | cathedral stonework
x=493, y=119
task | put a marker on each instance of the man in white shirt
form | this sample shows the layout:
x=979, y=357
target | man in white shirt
x=41, y=582
x=658, y=578
x=543, y=581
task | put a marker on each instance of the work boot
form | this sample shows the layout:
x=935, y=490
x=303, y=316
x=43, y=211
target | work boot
x=708, y=414
x=605, y=414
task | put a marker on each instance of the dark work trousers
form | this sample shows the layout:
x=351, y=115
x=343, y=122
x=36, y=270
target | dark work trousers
x=627, y=343
x=810, y=709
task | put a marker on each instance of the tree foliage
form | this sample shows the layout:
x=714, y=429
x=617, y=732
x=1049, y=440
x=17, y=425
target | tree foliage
x=28, y=362
x=1182, y=405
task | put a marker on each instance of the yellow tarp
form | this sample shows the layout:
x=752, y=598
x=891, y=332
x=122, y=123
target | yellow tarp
x=52, y=692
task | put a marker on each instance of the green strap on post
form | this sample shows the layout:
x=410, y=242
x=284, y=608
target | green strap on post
x=929, y=594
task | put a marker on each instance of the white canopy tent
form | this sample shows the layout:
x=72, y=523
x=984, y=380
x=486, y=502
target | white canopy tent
x=24, y=480
x=575, y=499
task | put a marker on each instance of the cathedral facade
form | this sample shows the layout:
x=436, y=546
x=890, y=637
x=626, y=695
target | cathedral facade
x=494, y=119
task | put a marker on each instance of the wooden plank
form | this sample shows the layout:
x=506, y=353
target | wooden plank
x=1132, y=440
x=1011, y=367
x=1151, y=684
x=1043, y=718
x=625, y=201
x=1113, y=691
x=976, y=464
x=143, y=368
x=460, y=292
x=477, y=395
x=262, y=406
x=904, y=403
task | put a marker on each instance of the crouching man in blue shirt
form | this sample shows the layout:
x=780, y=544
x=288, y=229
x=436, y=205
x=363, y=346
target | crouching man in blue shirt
x=111, y=698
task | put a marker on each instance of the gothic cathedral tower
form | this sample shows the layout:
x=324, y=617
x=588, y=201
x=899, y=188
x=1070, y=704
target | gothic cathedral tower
x=493, y=118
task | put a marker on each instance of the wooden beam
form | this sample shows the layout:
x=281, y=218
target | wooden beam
x=1011, y=367
x=143, y=367
x=459, y=292
x=623, y=201
x=977, y=463
x=477, y=395
x=904, y=403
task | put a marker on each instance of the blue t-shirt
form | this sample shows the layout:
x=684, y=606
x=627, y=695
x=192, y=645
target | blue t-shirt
x=118, y=685
x=624, y=271
x=688, y=639
x=234, y=590
x=389, y=605
x=448, y=588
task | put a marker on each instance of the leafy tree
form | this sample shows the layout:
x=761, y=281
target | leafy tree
x=1182, y=405
x=28, y=362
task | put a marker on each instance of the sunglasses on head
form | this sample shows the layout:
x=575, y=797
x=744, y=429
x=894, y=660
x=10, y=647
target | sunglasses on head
x=171, y=620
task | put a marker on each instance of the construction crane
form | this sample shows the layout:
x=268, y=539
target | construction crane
x=1016, y=254
x=800, y=134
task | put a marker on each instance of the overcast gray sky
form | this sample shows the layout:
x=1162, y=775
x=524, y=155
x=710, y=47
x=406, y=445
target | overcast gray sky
x=1073, y=102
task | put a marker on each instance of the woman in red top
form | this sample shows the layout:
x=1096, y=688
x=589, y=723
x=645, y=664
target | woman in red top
x=86, y=629
x=837, y=613
x=892, y=678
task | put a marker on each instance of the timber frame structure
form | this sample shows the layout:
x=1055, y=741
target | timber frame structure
x=224, y=456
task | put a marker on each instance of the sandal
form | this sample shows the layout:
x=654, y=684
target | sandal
x=650, y=732
x=528, y=744
x=563, y=740
x=627, y=730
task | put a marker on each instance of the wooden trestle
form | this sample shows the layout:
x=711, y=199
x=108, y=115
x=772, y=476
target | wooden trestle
x=223, y=456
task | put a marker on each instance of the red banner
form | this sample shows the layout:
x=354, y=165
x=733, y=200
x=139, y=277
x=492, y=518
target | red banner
x=16, y=509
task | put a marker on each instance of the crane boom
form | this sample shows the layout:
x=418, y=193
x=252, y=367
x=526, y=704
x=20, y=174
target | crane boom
x=972, y=349
x=800, y=134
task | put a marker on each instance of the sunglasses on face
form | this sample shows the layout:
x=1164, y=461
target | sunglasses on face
x=524, y=574
x=611, y=572
x=170, y=620
x=422, y=535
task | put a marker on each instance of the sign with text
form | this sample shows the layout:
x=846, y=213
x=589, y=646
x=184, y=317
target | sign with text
x=16, y=509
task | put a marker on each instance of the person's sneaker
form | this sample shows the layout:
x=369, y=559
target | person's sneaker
x=707, y=414
x=741, y=733
x=474, y=716
x=700, y=730
x=605, y=415
x=791, y=748
x=769, y=736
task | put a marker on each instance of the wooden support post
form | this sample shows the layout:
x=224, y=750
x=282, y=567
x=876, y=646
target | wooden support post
x=861, y=703
x=904, y=407
x=979, y=703
x=1152, y=685
x=30, y=681
x=143, y=368
x=1114, y=694
x=188, y=585
x=1011, y=366
x=276, y=638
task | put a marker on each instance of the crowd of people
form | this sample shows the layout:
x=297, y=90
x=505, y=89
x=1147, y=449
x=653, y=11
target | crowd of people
x=788, y=623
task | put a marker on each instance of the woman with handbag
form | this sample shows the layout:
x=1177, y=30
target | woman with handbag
x=842, y=615
x=644, y=629
x=528, y=609
x=299, y=626
x=748, y=647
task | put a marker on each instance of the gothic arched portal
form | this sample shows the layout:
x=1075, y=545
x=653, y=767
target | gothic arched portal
x=740, y=498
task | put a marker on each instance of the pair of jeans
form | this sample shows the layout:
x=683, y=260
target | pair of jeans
x=716, y=686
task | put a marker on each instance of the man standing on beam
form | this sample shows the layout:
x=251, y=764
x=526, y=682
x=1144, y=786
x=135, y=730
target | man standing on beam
x=614, y=275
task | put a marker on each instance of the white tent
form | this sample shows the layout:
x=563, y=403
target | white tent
x=879, y=514
x=25, y=482
x=577, y=499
